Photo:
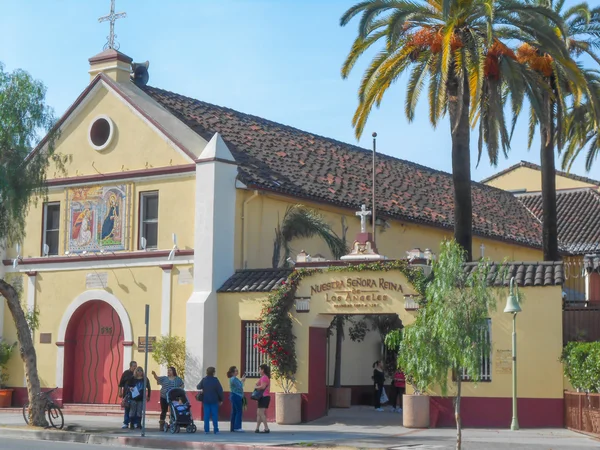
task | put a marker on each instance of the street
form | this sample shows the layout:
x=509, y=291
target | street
x=27, y=444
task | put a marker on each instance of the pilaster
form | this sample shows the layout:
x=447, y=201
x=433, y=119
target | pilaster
x=216, y=172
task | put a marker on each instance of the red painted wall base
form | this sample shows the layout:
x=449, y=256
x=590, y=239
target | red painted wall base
x=20, y=396
x=480, y=412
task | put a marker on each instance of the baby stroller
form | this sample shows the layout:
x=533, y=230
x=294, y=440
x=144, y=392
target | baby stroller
x=180, y=412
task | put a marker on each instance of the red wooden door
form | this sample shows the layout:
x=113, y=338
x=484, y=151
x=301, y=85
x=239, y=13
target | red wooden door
x=98, y=355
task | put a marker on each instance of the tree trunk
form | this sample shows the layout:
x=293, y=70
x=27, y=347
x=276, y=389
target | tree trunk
x=339, y=338
x=457, y=411
x=461, y=161
x=547, y=160
x=27, y=351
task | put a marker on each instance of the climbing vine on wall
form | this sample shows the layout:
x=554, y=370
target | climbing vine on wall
x=276, y=338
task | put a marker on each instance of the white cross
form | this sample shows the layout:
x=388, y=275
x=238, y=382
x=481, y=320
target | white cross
x=482, y=248
x=112, y=17
x=363, y=213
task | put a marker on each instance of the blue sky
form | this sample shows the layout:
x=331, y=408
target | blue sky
x=278, y=59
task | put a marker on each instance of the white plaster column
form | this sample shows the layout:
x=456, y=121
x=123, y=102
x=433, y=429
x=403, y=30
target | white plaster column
x=2, y=300
x=216, y=171
x=165, y=306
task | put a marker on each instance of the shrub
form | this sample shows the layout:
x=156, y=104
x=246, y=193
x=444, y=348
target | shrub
x=6, y=351
x=170, y=351
x=581, y=361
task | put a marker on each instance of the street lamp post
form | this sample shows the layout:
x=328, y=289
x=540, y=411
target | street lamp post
x=513, y=307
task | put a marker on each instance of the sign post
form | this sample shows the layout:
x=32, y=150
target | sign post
x=145, y=397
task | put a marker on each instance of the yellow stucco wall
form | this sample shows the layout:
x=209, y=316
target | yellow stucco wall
x=262, y=213
x=134, y=287
x=539, y=331
x=135, y=145
x=531, y=180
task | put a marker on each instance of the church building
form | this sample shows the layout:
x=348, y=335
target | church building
x=172, y=202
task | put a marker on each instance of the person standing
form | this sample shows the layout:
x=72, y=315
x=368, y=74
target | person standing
x=124, y=393
x=136, y=404
x=398, y=390
x=263, y=384
x=378, y=381
x=236, y=396
x=171, y=381
x=212, y=398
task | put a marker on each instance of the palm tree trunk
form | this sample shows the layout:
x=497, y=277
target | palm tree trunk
x=458, y=106
x=339, y=338
x=27, y=351
x=547, y=160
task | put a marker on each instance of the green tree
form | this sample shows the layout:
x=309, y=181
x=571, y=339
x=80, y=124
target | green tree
x=169, y=351
x=446, y=337
x=24, y=117
x=302, y=222
x=456, y=46
x=561, y=77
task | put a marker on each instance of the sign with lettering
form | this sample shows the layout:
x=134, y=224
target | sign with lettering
x=356, y=292
x=96, y=280
x=503, y=361
x=142, y=344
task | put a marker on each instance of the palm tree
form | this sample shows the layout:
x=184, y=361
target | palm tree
x=560, y=76
x=302, y=222
x=456, y=46
x=582, y=126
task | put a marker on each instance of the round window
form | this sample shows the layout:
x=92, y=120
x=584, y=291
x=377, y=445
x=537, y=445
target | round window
x=101, y=132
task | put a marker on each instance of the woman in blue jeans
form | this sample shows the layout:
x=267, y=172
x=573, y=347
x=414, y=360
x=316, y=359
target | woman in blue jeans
x=212, y=398
x=236, y=387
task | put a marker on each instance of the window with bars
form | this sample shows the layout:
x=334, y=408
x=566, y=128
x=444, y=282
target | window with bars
x=51, y=228
x=252, y=358
x=485, y=373
x=149, y=219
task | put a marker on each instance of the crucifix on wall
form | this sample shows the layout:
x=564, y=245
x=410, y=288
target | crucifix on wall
x=363, y=213
x=112, y=18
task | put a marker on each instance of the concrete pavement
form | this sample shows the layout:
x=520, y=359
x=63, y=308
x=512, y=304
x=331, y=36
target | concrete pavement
x=353, y=428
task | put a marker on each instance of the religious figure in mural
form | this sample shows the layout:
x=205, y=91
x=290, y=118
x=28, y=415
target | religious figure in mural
x=97, y=218
x=82, y=229
x=111, y=221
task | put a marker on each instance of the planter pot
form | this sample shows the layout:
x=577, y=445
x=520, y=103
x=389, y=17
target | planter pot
x=5, y=398
x=340, y=397
x=288, y=409
x=415, y=411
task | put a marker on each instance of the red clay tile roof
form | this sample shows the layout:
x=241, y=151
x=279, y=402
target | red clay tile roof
x=255, y=280
x=525, y=273
x=537, y=167
x=283, y=159
x=578, y=212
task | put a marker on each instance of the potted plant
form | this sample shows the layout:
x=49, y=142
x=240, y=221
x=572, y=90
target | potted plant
x=6, y=351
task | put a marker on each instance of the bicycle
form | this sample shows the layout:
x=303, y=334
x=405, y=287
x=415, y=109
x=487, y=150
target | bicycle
x=53, y=411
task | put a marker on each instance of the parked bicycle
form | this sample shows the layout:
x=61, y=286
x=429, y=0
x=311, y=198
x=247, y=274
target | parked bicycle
x=55, y=415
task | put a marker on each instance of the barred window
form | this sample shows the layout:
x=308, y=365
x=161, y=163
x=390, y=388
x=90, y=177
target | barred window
x=252, y=358
x=485, y=373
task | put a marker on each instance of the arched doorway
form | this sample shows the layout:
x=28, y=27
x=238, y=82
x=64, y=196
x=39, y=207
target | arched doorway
x=93, y=354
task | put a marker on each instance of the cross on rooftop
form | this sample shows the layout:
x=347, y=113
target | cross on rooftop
x=363, y=213
x=112, y=17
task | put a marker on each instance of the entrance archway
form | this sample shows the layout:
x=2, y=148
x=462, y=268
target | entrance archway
x=94, y=346
x=93, y=354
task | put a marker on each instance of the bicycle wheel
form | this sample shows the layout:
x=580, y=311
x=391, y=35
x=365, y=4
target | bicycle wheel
x=55, y=417
x=26, y=413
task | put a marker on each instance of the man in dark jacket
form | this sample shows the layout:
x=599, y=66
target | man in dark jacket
x=124, y=390
x=212, y=393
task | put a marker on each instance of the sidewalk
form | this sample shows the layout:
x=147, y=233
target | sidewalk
x=353, y=428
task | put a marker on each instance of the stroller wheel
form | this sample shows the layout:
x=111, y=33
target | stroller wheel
x=188, y=429
x=194, y=428
x=173, y=428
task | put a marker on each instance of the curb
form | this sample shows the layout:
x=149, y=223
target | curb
x=126, y=441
